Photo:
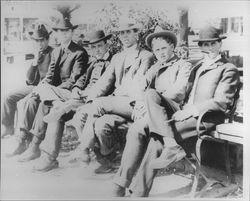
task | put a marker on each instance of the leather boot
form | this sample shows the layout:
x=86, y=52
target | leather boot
x=31, y=153
x=20, y=147
x=46, y=163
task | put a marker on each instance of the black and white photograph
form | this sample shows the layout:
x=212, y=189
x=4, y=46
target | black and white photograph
x=125, y=99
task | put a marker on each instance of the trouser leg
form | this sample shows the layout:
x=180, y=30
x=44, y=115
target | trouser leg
x=109, y=133
x=160, y=110
x=133, y=153
x=145, y=176
x=27, y=109
x=39, y=126
x=52, y=143
x=10, y=104
x=104, y=105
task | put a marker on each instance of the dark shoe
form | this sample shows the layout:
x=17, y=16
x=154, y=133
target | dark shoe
x=46, y=164
x=31, y=153
x=169, y=155
x=20, y=148
x=5, y=131
x=117, y=191
x=104, y=168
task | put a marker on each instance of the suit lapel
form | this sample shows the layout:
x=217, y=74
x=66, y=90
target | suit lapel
x=66, y=53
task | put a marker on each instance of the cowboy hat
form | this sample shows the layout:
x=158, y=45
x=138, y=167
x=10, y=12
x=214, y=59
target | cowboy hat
x=209, y=33
x=39, y=32
x=159, y=32
x=97, y=36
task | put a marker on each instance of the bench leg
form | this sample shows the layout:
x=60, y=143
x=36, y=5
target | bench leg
x=230, y=176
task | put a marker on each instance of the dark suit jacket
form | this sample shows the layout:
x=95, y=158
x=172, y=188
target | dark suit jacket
x=36, y=73
x=89, y=78
x=215, y=90
x=65, y=69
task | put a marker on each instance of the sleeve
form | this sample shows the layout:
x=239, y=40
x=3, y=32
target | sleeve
x=224, y=93
x=181, y=84
x=51, y=70
x=79, y=68
x=33, y=76
x=105, y=83
x=83, y=81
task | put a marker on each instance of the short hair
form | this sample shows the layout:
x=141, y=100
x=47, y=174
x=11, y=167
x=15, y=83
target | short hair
x=201, y=42
x=167, y=39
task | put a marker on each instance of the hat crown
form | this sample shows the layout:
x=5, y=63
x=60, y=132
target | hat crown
x=158, y=29
x=209, y=32
x=39, y=31
x=96, y=35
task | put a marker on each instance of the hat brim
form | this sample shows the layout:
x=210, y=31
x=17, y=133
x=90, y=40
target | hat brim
x=160, y=34
x=39, y=38
x=97, y=41
x=209, y=39
x=124, y=28
x=64, y=28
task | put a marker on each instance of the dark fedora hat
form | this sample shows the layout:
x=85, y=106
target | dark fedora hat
x=63, y=24
x=209, y=33
x=97, y=36
x=39, y=32
x=159, y=32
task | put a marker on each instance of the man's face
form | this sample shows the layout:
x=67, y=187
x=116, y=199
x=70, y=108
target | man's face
x=211, y=48
x=64, y=36
x=99, y=49
x=41, y=44
x=162, y=50
x=128, y=37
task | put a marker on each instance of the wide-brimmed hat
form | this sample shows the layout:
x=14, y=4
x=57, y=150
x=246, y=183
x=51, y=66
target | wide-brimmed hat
x=39, y=32
x=97, y=36
x=159, y=32
x=63, y=24
x=209, y=33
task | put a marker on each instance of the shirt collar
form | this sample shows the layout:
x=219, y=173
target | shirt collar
x=207, y=61
x=106, y=56
x=66, y=46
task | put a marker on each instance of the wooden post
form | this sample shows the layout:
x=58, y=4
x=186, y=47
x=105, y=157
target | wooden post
x=183, y=22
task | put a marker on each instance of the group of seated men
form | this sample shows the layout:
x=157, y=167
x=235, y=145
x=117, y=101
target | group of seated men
x=159, y=94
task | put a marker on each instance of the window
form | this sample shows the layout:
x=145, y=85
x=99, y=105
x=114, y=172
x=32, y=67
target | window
x=12, y=29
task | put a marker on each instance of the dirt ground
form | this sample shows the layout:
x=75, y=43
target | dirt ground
x=76, y=182
x=69, y=181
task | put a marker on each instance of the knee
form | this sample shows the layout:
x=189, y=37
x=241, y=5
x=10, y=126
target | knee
x=96, y=107
x=137, y=131
x=8, y=99
x=102, y=127
x=152, y=96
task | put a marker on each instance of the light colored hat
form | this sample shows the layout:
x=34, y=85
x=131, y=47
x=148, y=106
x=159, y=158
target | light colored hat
x=159, y=32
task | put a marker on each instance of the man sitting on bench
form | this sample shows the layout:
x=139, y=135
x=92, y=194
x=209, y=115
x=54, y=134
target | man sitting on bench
x=214, y=86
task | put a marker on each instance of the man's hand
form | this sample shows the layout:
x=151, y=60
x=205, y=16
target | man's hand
x=139, y=110
x=182, y=115
x=36, y=57
x=76, y=93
